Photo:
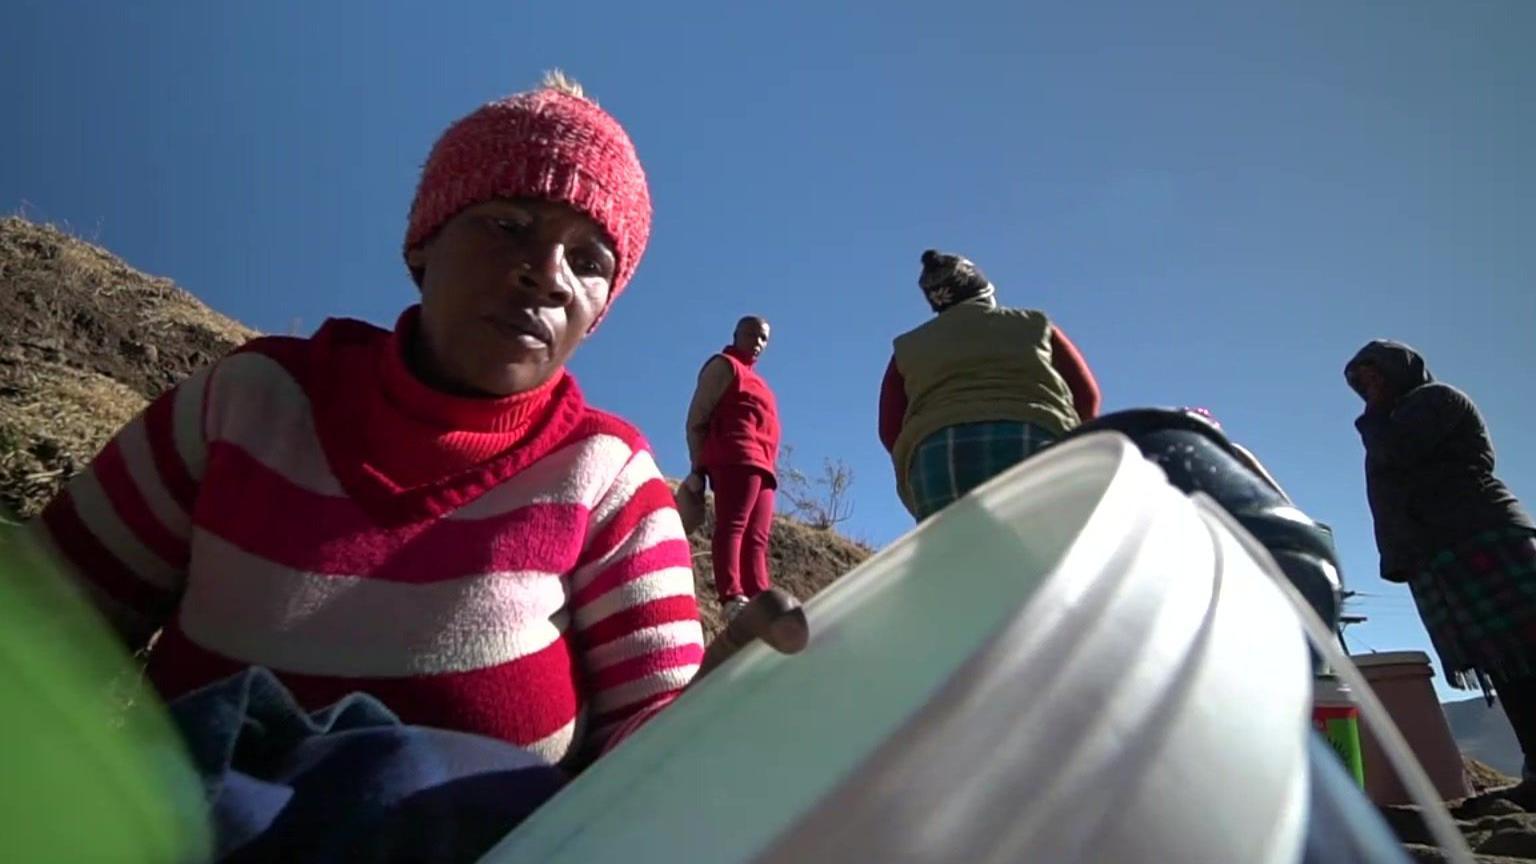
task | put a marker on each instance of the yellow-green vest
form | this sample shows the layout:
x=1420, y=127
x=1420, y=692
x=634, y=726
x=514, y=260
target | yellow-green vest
x=977, y=362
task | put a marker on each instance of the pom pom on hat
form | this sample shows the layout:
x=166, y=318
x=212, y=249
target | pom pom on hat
x=949, y=279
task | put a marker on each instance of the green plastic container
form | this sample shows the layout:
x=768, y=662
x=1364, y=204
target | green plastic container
x=93, y=770
x=1336, y=715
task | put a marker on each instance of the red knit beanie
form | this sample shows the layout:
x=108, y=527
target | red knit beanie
x=544, y=143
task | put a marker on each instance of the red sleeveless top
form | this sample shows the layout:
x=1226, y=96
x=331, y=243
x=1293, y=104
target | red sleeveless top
x=744, y=429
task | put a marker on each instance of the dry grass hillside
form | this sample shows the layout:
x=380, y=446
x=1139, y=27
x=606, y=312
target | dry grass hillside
x=87, y=340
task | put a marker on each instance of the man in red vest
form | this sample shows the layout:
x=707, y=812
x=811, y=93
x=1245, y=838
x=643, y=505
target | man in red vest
x=733, y=440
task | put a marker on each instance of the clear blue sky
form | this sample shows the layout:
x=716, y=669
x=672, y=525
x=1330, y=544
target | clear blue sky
x=1219, y=206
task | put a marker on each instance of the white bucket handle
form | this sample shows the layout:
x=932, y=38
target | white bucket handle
x=1394, y=746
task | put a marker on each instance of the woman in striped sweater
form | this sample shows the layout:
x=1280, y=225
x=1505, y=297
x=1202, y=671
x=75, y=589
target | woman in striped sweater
x=430, y=514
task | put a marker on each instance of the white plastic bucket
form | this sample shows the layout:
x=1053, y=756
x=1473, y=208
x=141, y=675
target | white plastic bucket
x=1074, y=663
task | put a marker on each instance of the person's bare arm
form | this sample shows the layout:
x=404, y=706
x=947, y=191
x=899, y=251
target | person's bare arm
x=714, y=379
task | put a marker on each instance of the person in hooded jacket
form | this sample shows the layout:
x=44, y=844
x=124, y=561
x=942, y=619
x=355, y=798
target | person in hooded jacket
x=1449, y=528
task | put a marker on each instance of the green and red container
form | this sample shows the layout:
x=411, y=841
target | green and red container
x=1337, y=716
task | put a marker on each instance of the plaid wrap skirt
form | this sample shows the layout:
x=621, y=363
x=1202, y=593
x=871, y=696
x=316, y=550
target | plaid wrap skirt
x=957, y=459
x=1478, y=602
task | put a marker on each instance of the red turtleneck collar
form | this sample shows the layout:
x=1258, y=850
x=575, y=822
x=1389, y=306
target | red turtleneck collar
x=409, y=450
x=508, y=416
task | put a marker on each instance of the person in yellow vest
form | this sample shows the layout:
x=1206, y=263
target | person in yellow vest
x=975, y=390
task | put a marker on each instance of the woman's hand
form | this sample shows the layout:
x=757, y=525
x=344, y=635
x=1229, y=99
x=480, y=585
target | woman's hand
x=773, y=616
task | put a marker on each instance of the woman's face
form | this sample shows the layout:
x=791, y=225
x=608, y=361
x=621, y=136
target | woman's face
x=1368, y=381
x=509, y=289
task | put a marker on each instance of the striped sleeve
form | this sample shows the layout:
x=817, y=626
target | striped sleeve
x=121, y=527
x=637, y=624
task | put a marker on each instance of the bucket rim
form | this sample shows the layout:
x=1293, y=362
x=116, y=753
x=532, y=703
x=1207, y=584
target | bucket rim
x=1390, y=658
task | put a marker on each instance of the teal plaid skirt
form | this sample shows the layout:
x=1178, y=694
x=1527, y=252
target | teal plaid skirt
x=957, y=459
x=1478, y=602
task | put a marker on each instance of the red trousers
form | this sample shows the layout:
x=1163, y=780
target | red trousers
x=743, y=521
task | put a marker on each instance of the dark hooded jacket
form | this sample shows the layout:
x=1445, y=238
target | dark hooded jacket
x=1428, y=464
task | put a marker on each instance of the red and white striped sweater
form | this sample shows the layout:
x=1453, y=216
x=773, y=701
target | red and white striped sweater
x=513, y=568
